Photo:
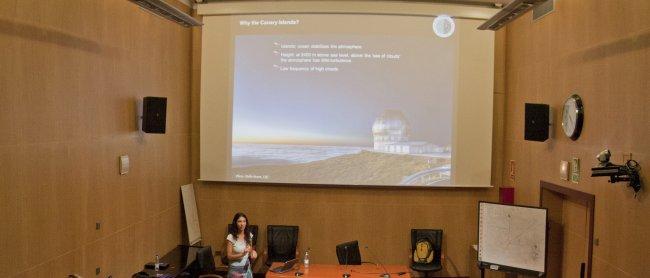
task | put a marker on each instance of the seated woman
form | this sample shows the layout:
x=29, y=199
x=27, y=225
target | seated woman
x=239, y=248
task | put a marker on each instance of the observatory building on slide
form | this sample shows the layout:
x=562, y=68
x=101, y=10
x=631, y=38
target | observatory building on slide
x=391, y=133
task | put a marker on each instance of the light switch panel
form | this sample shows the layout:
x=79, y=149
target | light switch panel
x=124, y=164
x=564, y=170
x=575, y=170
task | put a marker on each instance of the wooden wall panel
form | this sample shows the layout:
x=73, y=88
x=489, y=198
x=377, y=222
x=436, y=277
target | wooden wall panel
x=70, y=73
x=379, y=218
x=600, y=50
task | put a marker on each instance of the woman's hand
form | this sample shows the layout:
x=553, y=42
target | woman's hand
x=232, y=255
x=251, y=252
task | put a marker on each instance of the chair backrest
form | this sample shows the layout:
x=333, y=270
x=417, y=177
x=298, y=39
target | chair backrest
x=426, y=238
x=224, y=253
x=282, y=242
x=351, y=251
x=205, y=261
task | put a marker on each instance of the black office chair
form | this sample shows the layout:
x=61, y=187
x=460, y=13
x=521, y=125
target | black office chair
x=205, y=267
x=141, y=274
x=224, y=253
x=426, y=250
x=282, y=242
x=351, y=251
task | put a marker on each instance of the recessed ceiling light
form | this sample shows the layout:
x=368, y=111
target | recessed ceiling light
x=443, y=26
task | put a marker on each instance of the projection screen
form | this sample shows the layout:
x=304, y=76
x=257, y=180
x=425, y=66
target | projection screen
x=302, y=93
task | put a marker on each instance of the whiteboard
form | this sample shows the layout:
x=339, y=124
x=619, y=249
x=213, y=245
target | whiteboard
x=512, y=237
x=191, y=215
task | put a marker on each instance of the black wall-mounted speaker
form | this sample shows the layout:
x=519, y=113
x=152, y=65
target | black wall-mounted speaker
x=154, y=114
x=538, y=121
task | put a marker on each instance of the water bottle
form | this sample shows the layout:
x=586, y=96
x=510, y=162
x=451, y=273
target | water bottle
x=156, y=265
x=305, y=259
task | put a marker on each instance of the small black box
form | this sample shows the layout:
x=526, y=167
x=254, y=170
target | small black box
x=538, y=121
x=154, y=113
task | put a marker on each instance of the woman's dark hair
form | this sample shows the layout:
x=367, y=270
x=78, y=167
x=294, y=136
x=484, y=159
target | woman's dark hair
x=233, y=230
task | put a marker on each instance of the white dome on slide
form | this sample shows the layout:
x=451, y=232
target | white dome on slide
x=392, y=122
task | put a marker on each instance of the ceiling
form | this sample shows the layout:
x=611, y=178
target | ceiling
x=490, y=1
x=465, y=1
x=471, y=2
x=477, y=2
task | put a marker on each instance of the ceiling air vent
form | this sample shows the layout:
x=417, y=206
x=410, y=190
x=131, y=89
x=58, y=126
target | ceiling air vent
x=511, y=11
x=162, y=9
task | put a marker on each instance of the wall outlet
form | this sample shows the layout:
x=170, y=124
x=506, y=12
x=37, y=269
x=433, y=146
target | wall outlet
x=98, y=270
x=512, y=170
x=575, y=170
x=98, y=225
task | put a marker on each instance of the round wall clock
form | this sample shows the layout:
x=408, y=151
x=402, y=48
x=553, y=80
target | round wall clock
x=572, y=117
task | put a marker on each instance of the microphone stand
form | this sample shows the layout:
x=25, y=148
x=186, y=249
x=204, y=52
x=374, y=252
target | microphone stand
x=346, y=274
x=385, y=274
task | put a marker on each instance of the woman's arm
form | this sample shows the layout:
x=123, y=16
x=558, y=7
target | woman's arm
x=232, y=255
x=251, y=250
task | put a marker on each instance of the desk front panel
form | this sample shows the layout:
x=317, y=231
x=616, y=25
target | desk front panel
x=335, y=271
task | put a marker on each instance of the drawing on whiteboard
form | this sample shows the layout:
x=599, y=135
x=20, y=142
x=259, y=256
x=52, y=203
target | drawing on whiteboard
x=512, y=236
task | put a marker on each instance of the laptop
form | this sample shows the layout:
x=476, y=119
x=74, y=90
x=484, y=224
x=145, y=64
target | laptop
x=287, y=266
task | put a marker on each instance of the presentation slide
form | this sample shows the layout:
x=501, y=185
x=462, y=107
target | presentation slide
x=342, y=109
x=314, y=103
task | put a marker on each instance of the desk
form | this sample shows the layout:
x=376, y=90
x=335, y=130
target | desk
x=336, y=271
x=180, y=259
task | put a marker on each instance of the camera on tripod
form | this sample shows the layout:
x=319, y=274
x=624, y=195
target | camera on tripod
x=628, y=172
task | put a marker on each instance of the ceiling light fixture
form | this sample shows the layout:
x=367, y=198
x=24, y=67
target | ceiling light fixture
x=511, y=11
x=165, y=10
x=444, y=26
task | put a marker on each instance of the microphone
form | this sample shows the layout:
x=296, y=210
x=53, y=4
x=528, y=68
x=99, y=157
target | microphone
x=385, y=274
x=347, y=273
